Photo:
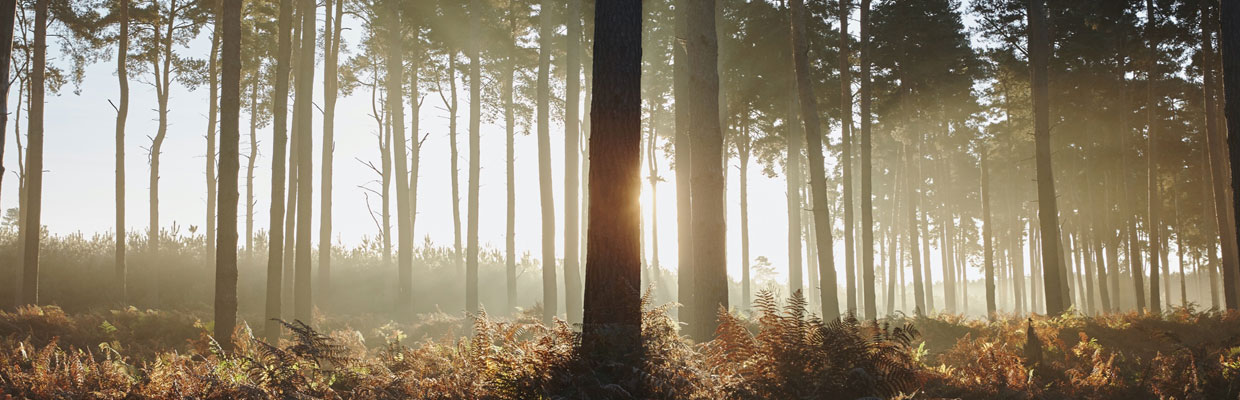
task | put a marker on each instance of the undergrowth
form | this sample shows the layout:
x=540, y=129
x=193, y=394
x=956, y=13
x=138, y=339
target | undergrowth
x=782, y=351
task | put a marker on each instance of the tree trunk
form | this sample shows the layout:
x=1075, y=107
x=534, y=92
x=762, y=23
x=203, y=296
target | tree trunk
x=684, y=227
x=1230, y=35
x=919, y=292
x=850, y=284
x=1216, y=159
x=230, y=163
x=396, y=110
x=249, y=170
x=818, y=181
x=475, y=123
x=572, y=92
x=510, y=125
x=744, y=149
x=1048, y=212
x=987, y=240
x=213, y=109
x=707, y=192
x=302, y=296
x=279, y=115
x=7, y=7
x=30, y=231
x=867, y=168
x=1154, y=224
x=612, y=305
x=162, y=65
x=454, y=155
x=547, y=24
x=332, y=29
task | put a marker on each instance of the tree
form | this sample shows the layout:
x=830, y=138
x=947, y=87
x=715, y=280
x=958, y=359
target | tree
x=613, y=258
x=817, y=173
x=572, y=138
x=173, y=24
x=867, y=170
x=546, y=25
x=31, y=229
x=1215, y=158
x=302, y=296
x=8, y=16
x=1229, y=35
x=1153, y=224
x=122, y=113
x=392, y=16
x=332, y=27
x=850, y=279
x=1048, y=212
x=213, y=111
x=707, y=191
x=683, y=159
x=279, y=112
x=475, y=124
x=988, y=247
x=230, y=163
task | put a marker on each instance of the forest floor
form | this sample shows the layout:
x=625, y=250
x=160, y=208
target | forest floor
x=780, y=352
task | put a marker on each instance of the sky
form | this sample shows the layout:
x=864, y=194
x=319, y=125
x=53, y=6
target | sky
x=79, y=167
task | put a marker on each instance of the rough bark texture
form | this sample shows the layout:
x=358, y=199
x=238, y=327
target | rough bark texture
x=817, y=173
x=1229, y=19
x=230, y=164
x=279, y=116
x=612, y=315
x=709, y=244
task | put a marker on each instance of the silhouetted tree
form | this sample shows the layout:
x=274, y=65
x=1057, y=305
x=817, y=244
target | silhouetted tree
x=230, y=163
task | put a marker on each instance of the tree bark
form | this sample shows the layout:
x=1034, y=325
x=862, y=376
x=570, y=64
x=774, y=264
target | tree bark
x=707, y=192
x=230, y=164
x=510, y=125
x=547, y=24
x=396, y=111
x=572, y=139
x=31, y=230
x=818, y=184
x=331, y=81
x=1154, y=224
x=1230, y=35
x=302, y=295
x=612, y=304
x=279, y=115
x=850, y=284
x=683, y=156
x=475, y=123
x=1216, y=159
x=987, y=240
x=213, y=109
x=919, y=286
x=7, y=7
x=867, y=170
x=1048, y=211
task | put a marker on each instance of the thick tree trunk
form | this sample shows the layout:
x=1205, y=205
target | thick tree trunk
x=302, y=296
x=1216, y=159
x=279, y=113
x=1048, y=211
x=475, y=124
x=707, y=192
x=547, y=24
x=867, y=167
x=809, y=114
x=7, y=7
x=230, y=163
x=31, y=229
x=572, y=138
x=1230, y=35
x=612, y=305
